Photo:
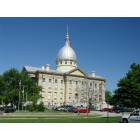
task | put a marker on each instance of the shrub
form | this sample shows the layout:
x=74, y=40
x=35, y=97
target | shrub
x=36, y=107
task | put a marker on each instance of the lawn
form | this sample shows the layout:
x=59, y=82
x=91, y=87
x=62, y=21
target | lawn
x=62, y=120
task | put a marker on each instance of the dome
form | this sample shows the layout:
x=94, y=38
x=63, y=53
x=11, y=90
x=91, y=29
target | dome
x=66, y=53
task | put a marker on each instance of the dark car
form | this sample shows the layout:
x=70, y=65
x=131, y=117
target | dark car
x=119, y=109
x=68, y=108
x=9, y=109
x=2, y=109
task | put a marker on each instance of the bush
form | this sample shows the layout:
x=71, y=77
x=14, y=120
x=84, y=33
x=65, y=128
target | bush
x=39, y=108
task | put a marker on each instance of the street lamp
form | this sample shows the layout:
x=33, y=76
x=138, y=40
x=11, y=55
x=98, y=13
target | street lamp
x=19, y=95
x=52, y=92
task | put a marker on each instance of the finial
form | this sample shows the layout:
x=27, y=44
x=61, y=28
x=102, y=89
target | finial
x=67, y=35
x=67, y=41
x=67, y=30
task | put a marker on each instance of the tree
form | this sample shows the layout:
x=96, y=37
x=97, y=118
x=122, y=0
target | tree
x=13, y=83
x=108, y=97
x=128, y=92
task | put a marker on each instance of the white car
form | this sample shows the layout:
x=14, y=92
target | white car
x=132, y=118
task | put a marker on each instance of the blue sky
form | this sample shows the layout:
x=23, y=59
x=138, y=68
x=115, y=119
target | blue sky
x=107, y=45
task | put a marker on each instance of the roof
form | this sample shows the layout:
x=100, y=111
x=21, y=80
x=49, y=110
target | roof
x=40, y=70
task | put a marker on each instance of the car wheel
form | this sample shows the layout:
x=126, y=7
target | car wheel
x=125, y=121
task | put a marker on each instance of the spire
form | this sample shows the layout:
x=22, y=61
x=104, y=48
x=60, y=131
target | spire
x=67, y=31
x=67, y=40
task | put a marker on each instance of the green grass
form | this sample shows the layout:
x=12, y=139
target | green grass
x=61, y=120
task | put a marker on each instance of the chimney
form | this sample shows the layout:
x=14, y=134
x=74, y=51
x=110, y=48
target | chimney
x=93, y=74
x=47, y=67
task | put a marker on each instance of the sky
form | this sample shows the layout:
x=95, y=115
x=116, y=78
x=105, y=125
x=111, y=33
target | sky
x=107, y=45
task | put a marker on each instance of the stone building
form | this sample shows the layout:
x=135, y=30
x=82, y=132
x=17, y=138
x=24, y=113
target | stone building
x=68, y=84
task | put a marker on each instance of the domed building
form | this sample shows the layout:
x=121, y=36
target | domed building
x=68, y=84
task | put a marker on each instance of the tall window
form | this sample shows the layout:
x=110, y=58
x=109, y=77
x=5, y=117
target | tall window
x=90, y=84
x=50, y=80
x=43, y=79
x=55, y=80
x=61, y=81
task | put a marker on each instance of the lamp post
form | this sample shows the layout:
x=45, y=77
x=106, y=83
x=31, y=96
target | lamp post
x=23, y=98
x=26, y=101
x=107, y=113
x=19, y=95
x=52, y=92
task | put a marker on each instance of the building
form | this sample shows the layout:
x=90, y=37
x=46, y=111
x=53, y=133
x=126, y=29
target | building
x=68, y=84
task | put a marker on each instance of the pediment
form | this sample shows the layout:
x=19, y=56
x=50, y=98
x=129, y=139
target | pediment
x=77, y=72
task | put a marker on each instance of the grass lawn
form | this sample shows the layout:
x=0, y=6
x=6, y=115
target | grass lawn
x=62, y=120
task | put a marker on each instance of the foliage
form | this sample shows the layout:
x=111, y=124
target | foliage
x=128, y=92
x=15, y=84
x=108, y=97
x=36, y=107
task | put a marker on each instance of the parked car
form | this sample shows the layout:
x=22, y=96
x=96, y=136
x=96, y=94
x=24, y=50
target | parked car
x=1, y=108
x=60, y=108
x=132, y=118
x=81, y=110
x=8, y=109
x=119, y=109
x=65, y=108
x=106, y=110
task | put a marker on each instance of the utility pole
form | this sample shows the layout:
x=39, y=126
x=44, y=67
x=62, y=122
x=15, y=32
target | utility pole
x=26, y=101
x=19, y=95
x=53, y=90
x=23, y=99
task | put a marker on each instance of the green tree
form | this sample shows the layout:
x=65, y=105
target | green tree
x=13, y=83
x=108, y=97
x=128, y=92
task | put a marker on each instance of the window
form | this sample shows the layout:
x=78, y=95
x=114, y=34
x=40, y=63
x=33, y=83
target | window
x=70, y=82
x=49, y=97
x=55, y=94
x=90, y=84
x=49, y=88
x=71, y=62
x=61, y=81
x=65, y=62
x=60, y=62
x=55, y=80
x=76, y=95
x=50, y=80
x=43, y=79
x=76, y=82
x=95, y=85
